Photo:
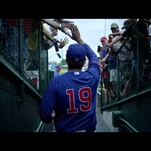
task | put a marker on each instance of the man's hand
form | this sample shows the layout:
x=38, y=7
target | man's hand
x=63, y=42
x=75, y=34
x=66, y=24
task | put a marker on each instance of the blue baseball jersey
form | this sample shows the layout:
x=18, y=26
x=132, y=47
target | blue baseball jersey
x=56, y=73
x=72, y=96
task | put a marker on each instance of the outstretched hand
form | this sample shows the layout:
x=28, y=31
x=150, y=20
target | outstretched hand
x=63, y=42
x=65, y=23
x=75, y=34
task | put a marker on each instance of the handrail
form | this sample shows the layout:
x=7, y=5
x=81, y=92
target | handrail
x=99, y=92
x=17, y=75
x=126, y=125
x=40, y=127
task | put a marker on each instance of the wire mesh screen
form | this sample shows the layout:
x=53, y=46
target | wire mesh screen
x=9, y=43
x=32, y=54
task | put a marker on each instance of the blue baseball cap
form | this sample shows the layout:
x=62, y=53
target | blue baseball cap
x=58, y=66
x=76, y=52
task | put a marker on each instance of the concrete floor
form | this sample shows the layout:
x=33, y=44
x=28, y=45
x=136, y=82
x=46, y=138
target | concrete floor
x=101, y=125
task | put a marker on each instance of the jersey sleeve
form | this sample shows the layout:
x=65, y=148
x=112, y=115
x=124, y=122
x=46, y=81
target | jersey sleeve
x=47, y=106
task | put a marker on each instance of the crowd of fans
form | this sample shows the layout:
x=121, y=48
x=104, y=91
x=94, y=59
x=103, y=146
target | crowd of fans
x=119, y=49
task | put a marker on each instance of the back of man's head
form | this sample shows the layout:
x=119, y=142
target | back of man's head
x=76, y=55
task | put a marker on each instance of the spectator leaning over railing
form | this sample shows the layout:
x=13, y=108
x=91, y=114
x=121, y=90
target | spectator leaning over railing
x=143, y=44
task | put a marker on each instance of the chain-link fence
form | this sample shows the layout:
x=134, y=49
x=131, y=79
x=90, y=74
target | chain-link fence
x=22, y=46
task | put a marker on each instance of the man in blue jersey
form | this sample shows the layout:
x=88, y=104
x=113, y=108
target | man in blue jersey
x=72, y=95
x=57, y=70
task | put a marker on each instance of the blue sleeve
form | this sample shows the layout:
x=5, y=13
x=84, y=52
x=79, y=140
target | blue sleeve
x=46, y=118
x=93, y=65
x=47, y=106
x=91, y=55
